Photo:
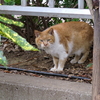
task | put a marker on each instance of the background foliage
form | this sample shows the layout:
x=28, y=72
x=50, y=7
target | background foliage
x=12, y=35
x=37, y=22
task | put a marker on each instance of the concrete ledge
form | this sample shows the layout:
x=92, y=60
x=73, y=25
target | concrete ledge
x=21, y=87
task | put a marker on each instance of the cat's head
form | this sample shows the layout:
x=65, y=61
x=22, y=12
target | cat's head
x=44, y=39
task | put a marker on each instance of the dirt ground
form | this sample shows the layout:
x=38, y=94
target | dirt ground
x=40, y=61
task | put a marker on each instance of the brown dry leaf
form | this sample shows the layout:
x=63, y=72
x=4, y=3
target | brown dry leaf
x=6, y=71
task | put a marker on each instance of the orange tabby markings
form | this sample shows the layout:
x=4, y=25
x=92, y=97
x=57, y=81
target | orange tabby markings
x=66, y=39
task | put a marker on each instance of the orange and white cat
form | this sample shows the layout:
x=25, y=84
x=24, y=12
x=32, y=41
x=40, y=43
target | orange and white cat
x=66, y=39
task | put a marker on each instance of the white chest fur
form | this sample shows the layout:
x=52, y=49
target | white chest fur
x=57, y=49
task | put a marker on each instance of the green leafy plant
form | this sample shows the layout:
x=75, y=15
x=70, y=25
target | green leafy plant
x=9, y=2
x=3, y=59
x=89, y=65
x=12, y=35
x=12, y=2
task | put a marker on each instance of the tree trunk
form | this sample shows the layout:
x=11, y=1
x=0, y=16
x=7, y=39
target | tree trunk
x=2, y=1
x=96, y=56
x=89, y=3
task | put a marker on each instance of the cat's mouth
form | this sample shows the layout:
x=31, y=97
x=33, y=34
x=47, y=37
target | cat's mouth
x=43, y=47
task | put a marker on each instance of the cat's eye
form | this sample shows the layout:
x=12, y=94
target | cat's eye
x=48, y=40
x=41, y=40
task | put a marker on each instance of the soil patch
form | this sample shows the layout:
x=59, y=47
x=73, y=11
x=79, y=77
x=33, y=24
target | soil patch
x=40, y=61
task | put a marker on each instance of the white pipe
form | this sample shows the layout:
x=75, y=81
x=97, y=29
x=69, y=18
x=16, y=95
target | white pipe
x=23, y=2
x=51, y=3
x=81, y=4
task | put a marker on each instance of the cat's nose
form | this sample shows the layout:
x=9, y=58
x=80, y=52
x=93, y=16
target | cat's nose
x=45, y=44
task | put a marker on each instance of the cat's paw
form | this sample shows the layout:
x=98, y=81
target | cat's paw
x=80, y=61
x=60, y=69
x=56, y=69
x=73, y=61
x=53, y=69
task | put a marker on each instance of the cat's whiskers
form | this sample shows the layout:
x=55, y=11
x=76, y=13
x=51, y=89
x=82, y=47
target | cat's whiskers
x=45, y=44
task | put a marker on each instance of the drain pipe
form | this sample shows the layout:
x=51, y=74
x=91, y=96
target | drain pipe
x=44, y=73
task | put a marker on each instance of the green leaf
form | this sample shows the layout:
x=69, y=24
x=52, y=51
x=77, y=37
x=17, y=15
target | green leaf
x=17, y=2
x=3, y=60
x=89, y=65
x=9, y=21
x=7, y=1
x=10, y=34
x=75, y=19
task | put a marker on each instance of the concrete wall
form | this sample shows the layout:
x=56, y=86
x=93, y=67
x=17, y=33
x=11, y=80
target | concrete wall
x=21, y=87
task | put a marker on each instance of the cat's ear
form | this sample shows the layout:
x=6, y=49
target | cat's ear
x=37, y=33
x=51, y=31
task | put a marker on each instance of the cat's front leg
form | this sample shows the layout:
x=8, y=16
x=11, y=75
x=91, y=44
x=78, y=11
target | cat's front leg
x=61, y=64
x=55, y=61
